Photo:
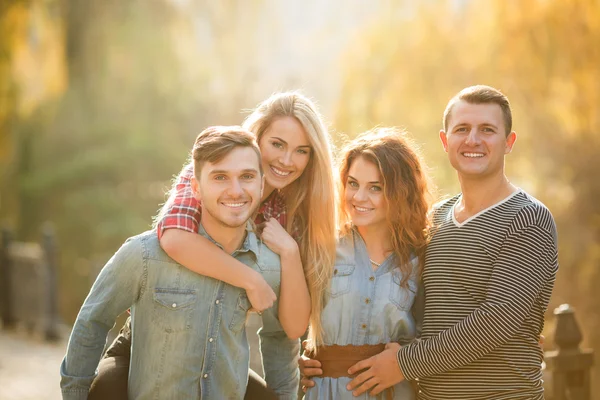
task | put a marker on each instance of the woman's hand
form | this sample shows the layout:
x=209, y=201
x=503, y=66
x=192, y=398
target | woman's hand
x=277, y=238
x=308, y=369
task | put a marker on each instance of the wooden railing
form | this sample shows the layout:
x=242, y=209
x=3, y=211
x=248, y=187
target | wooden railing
x=28, y=284
x=568, y=368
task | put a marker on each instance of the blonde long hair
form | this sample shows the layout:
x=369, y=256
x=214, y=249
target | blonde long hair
x=310, y=199
x=406, y=186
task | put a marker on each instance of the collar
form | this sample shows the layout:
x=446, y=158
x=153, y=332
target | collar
x=250, y=242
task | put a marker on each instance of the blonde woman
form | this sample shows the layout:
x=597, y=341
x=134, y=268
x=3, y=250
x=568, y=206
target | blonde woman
x=297, y=218
x=384, y=199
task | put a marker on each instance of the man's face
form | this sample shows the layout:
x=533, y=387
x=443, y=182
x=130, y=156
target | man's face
x=476, y=140
x=229, y=190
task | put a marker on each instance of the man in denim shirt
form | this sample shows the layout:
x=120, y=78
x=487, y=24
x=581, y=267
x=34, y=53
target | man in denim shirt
x=188, y=336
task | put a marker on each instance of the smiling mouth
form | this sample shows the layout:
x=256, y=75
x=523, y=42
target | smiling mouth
x=279, y=172
x=236, y=205
x=362, y=209
x=473, y=155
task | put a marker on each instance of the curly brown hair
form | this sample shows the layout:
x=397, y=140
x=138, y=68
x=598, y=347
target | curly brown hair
x=406, y=186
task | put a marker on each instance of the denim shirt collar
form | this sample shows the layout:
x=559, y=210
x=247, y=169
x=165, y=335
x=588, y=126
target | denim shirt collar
x=250, y=242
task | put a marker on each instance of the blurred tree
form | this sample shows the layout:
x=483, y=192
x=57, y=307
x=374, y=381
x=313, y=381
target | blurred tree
x=32, y=72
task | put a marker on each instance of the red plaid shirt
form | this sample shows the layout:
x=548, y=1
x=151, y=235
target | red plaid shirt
x=184, y=211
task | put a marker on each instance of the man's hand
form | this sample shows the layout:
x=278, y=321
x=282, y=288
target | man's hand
x=381, y=372
x=260, y=294
x=308, y=368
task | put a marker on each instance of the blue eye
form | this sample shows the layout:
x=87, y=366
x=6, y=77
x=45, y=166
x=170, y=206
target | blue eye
x=376, y=188
x=302, y=151
x=352, y=184
x=277, y=145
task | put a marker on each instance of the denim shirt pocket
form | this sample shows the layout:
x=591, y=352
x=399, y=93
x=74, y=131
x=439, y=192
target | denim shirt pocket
x=173, y=308
x=340, y=282
x=238, y=320
x=402, y=297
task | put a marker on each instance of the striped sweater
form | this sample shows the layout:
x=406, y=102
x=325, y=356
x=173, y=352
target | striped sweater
x=487, y=284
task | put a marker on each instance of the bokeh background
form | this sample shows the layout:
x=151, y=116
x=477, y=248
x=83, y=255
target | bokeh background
x=100, y=102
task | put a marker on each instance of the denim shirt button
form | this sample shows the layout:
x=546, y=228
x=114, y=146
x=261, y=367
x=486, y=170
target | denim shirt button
x=210, y=339
x=206, y=375
x=174, y=305
x=217, y=302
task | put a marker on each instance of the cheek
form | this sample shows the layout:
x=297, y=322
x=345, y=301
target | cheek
x=301, y=162
x=379, y=202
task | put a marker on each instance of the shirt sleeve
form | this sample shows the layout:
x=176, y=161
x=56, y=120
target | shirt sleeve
x=280, y=356
x=526, y=265
x=182, y=210
x=117, y=287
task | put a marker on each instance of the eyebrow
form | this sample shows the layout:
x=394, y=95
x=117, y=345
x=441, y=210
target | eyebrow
x=224, y=171
x=468, y=124
x=372, y=182
x=281, y=140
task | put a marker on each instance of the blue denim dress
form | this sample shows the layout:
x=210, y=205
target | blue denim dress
x=365, y=307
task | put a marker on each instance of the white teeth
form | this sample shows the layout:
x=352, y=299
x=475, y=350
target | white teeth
x=233, y=205
x=473, y=155
x=361, y=209
x=279, y=172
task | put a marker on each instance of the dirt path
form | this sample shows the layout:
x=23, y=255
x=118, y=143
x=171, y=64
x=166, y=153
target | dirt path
x=29, y=368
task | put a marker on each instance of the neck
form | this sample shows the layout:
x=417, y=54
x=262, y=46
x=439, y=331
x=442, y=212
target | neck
x=267, y=191
x=230, y=238
x=479, y=194
x=377, y=241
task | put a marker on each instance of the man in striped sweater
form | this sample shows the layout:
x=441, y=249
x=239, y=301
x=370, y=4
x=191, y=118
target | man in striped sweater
x=489, y=273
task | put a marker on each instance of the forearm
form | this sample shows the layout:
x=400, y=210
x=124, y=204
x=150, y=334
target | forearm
x=200, y=255
x=294, y=298
x=280, y=362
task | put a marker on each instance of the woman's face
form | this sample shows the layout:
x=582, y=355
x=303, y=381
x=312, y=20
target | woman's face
x=365, y=201
x=285, y=152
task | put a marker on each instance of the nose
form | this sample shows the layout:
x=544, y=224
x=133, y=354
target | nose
x=360, y=195
x=286, y=159
x=473, y=137
x=235, y=189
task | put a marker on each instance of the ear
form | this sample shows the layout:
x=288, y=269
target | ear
x=510, y=141
x=195, y=188
x=444, y=140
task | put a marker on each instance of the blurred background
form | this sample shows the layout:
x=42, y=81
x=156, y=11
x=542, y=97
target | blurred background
x=100, y=102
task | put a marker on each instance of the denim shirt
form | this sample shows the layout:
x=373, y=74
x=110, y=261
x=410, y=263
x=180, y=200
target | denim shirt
x=365, y=307
x=188, y=330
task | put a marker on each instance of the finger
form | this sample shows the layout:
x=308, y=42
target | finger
x=365, y=386
x=361, y=378
x=359, y=366
x=304, y=389
x=312, y=372
x=308, y=362
x=377, y=389
x=307, y=382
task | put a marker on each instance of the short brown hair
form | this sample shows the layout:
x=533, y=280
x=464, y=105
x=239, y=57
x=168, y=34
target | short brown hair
x=481, y=94
x=215, y=142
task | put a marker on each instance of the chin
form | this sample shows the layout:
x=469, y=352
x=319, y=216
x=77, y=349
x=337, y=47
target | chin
x=277, y=183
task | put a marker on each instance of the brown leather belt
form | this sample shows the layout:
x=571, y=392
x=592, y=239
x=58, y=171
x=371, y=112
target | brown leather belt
x=336, y=360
